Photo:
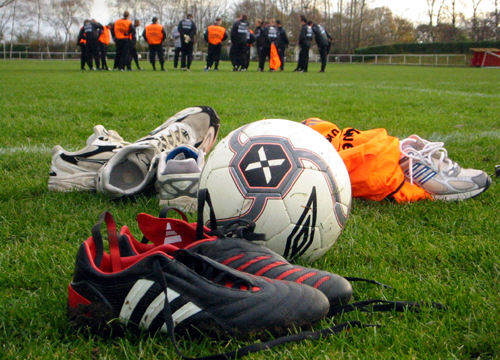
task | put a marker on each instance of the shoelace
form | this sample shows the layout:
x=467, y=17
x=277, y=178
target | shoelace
x=444, y=163
x=253, y=348
x=213, y=274
x=173, y=139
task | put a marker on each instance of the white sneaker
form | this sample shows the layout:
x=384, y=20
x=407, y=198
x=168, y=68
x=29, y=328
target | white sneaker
x=178, y=177
x=75, y=171
x=133, y=169
x=427, y=164
x=203, y=120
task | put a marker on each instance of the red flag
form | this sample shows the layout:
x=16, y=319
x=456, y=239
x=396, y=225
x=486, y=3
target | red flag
x=274, y=58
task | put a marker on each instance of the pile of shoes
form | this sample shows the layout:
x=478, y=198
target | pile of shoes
x=170, y=158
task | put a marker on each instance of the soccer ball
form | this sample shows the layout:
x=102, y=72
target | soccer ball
x=285, y=177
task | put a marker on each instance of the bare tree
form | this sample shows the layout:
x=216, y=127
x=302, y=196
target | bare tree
x=71, y=13
x=4, y=3
x=496, y=20
x=5, y=15
x=475, y=5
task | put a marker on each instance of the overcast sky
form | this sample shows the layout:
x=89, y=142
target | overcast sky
x=414, y=10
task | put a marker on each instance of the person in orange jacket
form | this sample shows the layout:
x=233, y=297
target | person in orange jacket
x=103, y=41
x=122, y=30
x=381, y=166
x=214, y=35
x=155, y=34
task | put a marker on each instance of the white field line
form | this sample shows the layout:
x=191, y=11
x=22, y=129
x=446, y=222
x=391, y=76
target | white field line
x=26, y=149
x=412, y=89
x=454, y=137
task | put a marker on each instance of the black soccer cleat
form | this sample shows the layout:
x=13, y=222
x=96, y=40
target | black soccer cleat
x=157, y=291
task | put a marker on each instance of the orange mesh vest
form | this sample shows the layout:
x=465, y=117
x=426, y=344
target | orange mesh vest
x=122, y=27
x=154, y=34
x=105, y=37
x=215, y=34
x=274, y=58
x=372, y=160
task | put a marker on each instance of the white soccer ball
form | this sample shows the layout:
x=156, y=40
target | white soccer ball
x=285, y=177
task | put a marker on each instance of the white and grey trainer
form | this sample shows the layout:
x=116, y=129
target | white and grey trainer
x=178, y=177
x=427, y=164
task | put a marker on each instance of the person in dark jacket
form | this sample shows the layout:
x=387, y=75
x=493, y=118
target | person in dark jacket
x=305, y=38
x=281, y=43
x=270, y=35
x=250, y=42
x=187, y=29
x=91, y=29
x=239, y=36
x=82, y=43
x=322, y=38
x=259, y=40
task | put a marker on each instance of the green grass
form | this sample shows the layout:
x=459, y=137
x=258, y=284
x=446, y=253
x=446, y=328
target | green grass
x=444, y=252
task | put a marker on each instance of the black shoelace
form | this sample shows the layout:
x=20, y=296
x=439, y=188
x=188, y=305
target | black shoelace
x=239, y=353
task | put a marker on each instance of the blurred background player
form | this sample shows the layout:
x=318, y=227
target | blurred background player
x=154, y=34
x=133, y=43
x=281, y=43
x=214, y=34
x=258, y=38
x=305, y=38
x=81, y=42
x=176, y=35
x=270, y=35
x=239, y=35
x=122, y=29
x=322, y=38
x=250, y=42
x=91, y=29
x=187, y=30
x=103, y=42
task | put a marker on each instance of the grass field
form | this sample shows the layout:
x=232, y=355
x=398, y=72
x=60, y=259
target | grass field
x=431, y=251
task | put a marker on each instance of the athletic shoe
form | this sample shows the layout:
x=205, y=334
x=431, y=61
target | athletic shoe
x=203, y=120
x=178, y=176
x=157, y=291
x=76, y=170
x=233, y=249
x=133, y=169
x=427, y=164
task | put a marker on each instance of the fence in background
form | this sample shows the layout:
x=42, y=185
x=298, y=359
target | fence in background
x=401, y=59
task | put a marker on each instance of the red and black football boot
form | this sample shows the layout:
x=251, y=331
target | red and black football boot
x=158, y=290
x=230, y=247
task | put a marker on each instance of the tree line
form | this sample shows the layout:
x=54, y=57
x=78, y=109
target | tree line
x=352, y=24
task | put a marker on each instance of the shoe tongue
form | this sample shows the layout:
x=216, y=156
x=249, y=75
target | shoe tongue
x=99, y=131
x=162, y=231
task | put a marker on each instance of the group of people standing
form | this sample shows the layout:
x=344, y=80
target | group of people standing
x=269, y=39
x=94, y=39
